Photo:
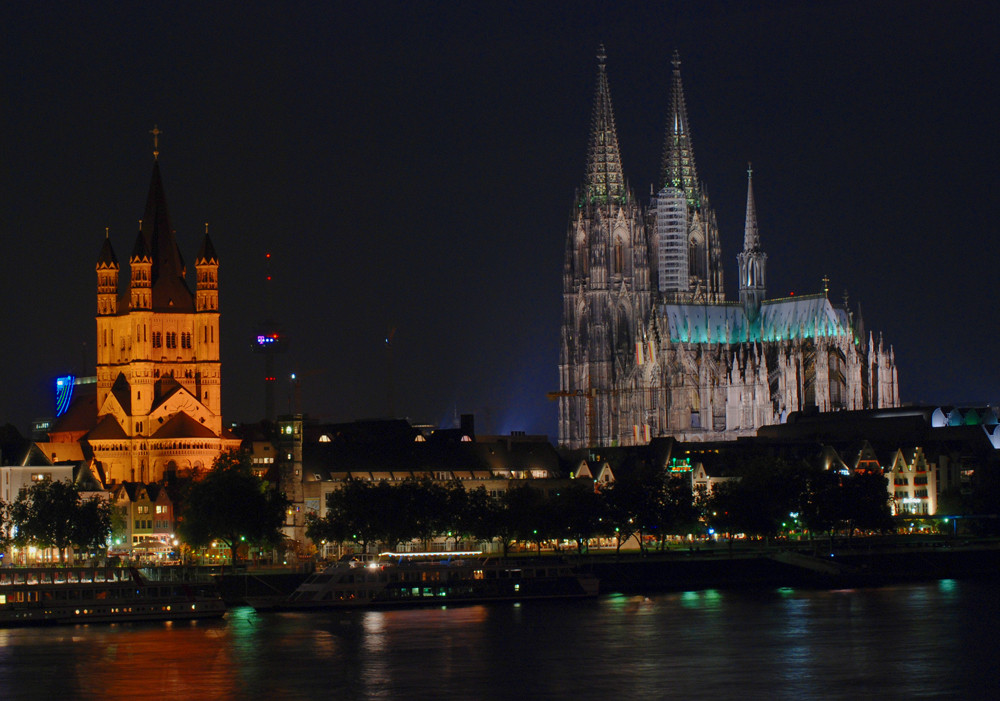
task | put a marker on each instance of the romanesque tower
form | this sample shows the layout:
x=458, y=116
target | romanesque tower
x=158, y=361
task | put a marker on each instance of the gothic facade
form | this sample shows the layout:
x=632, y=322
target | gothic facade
x=158, y=365
x=649, y=344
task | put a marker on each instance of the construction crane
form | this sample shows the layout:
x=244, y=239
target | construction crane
x=590, y=393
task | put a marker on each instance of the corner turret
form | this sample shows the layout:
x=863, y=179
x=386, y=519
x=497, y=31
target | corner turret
x=107, y=279
x=206, y=265
x=752, y=260
x=141, y=266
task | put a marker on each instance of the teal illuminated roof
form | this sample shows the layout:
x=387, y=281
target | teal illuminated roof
x=802, y=317
x=809, y=316
x=707, y=323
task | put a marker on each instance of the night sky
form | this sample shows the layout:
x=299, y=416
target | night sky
x=413, y=167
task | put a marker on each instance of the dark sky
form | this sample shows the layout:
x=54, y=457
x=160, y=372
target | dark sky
x=413, y=166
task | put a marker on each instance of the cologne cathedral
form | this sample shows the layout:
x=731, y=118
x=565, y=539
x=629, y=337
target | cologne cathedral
x=650, y=346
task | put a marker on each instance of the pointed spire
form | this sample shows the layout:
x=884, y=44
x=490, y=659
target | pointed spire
x=751, y=237
x=170, y=290
x=678, y=168
x=158, y=231
x=140, y=251
x=604, y=164
x=107, y=257
x=206, y=254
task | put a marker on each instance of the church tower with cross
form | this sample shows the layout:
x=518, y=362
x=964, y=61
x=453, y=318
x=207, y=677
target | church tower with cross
x=649, y=344
x=158, y=354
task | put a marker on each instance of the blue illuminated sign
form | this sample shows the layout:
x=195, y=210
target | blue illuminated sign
x=64, y=393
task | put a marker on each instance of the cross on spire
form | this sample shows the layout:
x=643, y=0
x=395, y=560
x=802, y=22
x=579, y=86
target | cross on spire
x=155, y=131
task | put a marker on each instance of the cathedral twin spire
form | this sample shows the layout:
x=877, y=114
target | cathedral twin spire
x=605, y=178
x=678, y=168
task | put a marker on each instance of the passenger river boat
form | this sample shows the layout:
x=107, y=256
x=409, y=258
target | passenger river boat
x=54, y=595
x=422, y=579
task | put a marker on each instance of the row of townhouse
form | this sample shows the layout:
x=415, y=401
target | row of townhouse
x=145, y=520
x=925, y=453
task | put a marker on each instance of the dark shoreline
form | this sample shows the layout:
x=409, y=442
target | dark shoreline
x=717, y=568
x=790, y=568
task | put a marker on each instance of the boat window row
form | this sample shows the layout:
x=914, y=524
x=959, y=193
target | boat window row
x=32, y=595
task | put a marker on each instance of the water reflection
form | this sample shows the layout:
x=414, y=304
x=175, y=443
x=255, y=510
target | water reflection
x=930, y=640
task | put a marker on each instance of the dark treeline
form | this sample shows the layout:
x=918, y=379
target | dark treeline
x=227, y=505
x=769, y=497
x=55, y=515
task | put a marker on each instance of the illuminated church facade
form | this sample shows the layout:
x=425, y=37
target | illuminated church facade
x=158, y=364
x=650, y=345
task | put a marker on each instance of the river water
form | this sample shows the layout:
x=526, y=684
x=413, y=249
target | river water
x=931, y=640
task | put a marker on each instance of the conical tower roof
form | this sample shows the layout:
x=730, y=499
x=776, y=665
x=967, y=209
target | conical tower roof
x=605, y=180
x=107, y=258
x=206, y=254
x=678, y=168
x=140, y=251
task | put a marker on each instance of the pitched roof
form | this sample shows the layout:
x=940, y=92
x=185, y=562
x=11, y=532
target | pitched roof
x=107, y=428
x=13, y=449
x=181, y=425
x=123, y=393
x=806, y=316
x=81, y=416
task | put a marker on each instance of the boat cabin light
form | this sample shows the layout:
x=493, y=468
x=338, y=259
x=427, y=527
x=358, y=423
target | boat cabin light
x=451, y=553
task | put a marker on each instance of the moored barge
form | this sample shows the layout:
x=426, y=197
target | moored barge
x=422, y=579
x=60, y=595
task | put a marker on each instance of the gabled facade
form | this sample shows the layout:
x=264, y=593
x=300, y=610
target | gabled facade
x=149, y=518
x=649, y=345
x=913, y=483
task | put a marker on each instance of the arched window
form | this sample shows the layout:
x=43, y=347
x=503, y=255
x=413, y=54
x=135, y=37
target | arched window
x=619, y=259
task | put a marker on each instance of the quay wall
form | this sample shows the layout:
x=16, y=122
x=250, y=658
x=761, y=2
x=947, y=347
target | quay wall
x=681, y=571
